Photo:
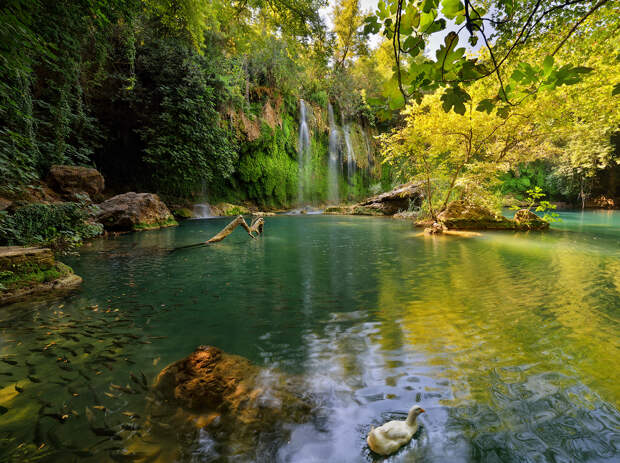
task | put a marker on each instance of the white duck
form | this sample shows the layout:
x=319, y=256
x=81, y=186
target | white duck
x=388, y=438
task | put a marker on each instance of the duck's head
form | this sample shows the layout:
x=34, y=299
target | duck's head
x=414, y=412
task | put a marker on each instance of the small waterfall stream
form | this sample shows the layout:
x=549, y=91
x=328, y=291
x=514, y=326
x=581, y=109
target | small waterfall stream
x=333, y=168
x=351, y=165
x=304, y=156
x=202, y=211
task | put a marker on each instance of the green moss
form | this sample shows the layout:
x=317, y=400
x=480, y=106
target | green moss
x=12, y=280
x=170, y=222
x=183, y=213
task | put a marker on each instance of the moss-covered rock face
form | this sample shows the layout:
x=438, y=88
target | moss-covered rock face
x=527, y=220
x=229, y=209
x=28, y=271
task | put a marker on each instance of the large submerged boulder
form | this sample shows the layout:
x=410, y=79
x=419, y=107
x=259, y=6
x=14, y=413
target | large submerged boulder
x=210, y=380
x=228, y=397
x=134, y=211
x=73, y=180
x=462, y=215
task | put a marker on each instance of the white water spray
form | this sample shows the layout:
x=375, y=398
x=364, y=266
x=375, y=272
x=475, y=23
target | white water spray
x=303, y=155
x=334, y=164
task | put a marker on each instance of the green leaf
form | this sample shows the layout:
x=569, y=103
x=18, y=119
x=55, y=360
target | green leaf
x=547, y=65
x=473, y=40
x=487, y=105
x=451, y=8
x=616, y=90
x=455, y=98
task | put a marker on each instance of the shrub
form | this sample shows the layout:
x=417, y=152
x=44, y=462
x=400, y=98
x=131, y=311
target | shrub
x=60, y=226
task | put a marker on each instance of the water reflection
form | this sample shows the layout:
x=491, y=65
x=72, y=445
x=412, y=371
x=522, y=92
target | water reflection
x=508, y=340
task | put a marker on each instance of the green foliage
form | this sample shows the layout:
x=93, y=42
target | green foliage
x=61, y=225
x=410, y=25
x=535, y=198
x=185, y=141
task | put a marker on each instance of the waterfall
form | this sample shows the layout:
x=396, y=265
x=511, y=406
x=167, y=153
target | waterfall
x=303, y=154
x=334, y=158
x=202, y=211
x=350, y=153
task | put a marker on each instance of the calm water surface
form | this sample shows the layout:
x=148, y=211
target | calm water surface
x=510, y=341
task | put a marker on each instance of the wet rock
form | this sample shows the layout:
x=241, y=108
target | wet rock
x=397, y=200
x=213, y=389
x=603, y=202
x=28, y=271
x=527, y=220
x=435, y=229
x=75, y=180
x=462, y=215
x=134, y=211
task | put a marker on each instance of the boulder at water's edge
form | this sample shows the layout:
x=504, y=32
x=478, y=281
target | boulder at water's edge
x=134, y=211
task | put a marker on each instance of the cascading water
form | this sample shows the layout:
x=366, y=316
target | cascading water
x=303, y=155
x=202, y=211
x=351, y=165
x=334, y=163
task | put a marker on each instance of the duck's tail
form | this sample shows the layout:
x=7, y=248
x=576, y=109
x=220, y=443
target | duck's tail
x=370, y=440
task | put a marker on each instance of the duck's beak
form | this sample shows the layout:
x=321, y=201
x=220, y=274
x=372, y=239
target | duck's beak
x=422, y=410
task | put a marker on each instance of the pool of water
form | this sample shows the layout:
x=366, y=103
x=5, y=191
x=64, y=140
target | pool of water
x=510, y=341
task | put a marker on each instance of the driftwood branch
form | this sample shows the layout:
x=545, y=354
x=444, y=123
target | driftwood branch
x=254, y=229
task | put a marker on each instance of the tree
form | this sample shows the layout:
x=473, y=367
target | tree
x=504, y=26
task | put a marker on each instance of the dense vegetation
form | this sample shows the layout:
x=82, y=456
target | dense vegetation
x=189, y=98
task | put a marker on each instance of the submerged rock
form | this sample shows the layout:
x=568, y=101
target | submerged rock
x=134, y=211
x=28, y=271
x=527, y=220
x=73, y=180
x=229, y=396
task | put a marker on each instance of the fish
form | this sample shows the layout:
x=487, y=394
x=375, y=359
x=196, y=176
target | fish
x=144, y=381
x=122, y=457
x=131, y=415
x=34, y=379
x=10, y=362
x=38, y=434
x=6, y=373
x=125, y=389
x=111, y=396
x=54, y=440
x=135, y=379
x=100, y=408
x=56, y=416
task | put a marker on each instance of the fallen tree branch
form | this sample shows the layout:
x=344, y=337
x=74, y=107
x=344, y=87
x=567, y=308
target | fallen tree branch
x=256, y=227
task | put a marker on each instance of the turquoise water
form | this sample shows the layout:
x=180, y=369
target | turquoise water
x=508, y=340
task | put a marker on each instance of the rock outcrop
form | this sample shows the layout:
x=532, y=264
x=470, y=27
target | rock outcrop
x=527, y=220
x=397, y=200
x=28, y=271
x=461, y=215
x=134, y=211
x=74, y=180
